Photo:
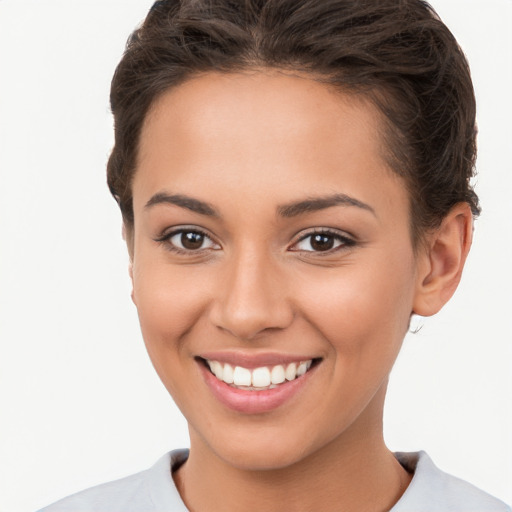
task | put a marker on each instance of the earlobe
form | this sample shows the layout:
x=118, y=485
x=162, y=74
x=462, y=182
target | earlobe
x=443, y=260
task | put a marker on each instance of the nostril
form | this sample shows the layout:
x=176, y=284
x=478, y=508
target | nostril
x=249, y=320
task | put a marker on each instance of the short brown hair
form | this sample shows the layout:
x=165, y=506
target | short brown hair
x=396, y=52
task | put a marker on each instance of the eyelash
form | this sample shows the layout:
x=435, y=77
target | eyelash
x=344, y=241
x=167, y=237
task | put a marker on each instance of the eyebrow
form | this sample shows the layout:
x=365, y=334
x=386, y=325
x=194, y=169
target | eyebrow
x=183, y=201
x=321, y=203
x=287, y=210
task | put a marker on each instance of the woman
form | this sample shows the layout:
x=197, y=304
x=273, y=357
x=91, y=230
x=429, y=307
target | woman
x=294, y=180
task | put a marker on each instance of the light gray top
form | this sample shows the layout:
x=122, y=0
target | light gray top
x=153, y=490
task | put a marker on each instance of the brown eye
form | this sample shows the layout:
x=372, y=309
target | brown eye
x=322, y=242
x=189, y=240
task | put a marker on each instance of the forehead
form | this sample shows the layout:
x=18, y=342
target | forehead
x=264, y=103
x=261, y=131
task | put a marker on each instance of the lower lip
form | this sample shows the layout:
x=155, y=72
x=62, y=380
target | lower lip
x=254, y=402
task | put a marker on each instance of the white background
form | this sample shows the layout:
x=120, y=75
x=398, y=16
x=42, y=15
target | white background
x=79, y=401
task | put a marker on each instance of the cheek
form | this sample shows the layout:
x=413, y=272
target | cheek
x=361, y=307
x=169, y=301
x=363, y=315
x=169, y=304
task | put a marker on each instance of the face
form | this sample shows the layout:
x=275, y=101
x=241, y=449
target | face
x=270, y=238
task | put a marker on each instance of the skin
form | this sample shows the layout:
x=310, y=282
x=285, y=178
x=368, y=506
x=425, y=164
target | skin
x=249, y=145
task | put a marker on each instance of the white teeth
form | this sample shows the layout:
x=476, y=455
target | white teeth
x=291, y=371
x=277, y=374
x=227, y=374
x=260, y=378
x=216, y=368
x=302, y=369
x=242, y=376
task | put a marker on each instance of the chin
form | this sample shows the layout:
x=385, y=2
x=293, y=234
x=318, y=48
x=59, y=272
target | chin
x=262, y=458
x=263, y=449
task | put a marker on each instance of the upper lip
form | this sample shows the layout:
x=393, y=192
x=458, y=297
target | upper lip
x=255, y=360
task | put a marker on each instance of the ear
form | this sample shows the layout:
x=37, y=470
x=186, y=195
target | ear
x=442, y=260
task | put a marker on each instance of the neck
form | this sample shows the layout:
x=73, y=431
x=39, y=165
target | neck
x=354, y=472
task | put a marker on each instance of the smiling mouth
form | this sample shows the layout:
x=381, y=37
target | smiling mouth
x=258, y=379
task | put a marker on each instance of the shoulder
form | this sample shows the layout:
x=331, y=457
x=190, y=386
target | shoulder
x=433, y=490
x=147, y=491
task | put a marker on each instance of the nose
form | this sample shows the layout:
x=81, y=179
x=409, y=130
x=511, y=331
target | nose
x=253, y=297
